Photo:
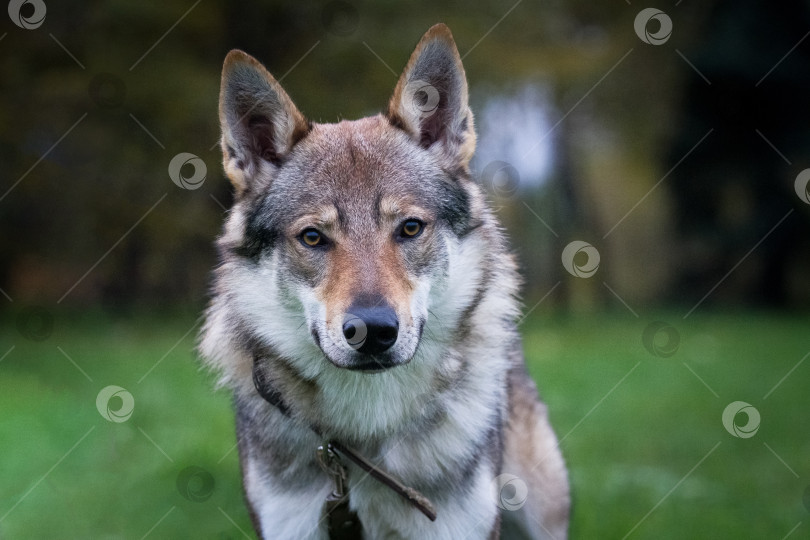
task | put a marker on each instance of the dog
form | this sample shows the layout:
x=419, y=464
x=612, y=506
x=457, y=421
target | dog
x=366, y=282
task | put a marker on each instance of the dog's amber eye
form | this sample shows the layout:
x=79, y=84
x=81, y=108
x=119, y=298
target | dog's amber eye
x=311, y=238
x=411, y=228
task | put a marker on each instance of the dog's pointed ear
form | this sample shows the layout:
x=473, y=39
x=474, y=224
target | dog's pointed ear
x=430, y=99
x=260, y=123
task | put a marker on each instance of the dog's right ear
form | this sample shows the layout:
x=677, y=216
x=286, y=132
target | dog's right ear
x=260, y=123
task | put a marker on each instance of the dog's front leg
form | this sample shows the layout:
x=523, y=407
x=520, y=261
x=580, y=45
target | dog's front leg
x=285, y=511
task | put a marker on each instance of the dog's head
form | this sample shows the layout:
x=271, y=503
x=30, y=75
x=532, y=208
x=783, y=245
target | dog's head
x=341, y=233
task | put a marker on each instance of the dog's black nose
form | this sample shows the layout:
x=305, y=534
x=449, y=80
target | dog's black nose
x=371, y=330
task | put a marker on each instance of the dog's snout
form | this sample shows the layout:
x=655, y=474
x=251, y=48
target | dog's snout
x=371, y=330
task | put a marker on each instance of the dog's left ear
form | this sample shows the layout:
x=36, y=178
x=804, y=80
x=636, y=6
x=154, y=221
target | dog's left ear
x=430, y=100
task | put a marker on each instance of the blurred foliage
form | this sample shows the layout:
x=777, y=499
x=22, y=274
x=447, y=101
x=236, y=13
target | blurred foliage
x=139, y=82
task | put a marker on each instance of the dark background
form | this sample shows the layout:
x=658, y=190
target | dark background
x=608, y=115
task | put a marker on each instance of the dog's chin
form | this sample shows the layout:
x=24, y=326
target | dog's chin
x=367, y=363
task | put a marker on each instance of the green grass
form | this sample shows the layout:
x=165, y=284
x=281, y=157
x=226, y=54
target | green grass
x=633, y=426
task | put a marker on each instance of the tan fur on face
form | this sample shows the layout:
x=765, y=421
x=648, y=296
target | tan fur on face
x=363, y=257
x=394, y=208
x=376, y=268
x=323, y=219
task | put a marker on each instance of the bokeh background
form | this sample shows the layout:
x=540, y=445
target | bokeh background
x=681, y=157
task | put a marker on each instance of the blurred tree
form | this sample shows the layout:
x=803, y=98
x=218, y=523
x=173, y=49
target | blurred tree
x=738, y=186
x=104, y=94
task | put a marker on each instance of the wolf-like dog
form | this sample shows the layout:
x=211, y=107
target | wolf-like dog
x=363, y=274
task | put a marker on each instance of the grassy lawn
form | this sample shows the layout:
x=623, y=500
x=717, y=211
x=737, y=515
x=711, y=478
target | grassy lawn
x=642, y=434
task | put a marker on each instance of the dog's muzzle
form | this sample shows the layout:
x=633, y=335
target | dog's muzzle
x=371, y=331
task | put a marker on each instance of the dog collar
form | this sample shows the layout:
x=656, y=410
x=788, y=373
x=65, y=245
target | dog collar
x=343, y=522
